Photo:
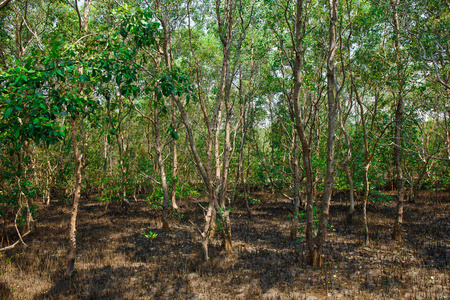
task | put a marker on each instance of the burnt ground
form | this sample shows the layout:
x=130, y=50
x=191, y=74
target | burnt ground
x=115, y=261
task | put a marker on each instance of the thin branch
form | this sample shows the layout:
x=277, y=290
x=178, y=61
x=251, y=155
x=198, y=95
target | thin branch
x=145, y=175
x=4, y=3
x=420, y=153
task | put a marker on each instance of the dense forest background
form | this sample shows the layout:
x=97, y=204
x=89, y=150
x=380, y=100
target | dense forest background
x=207, y=102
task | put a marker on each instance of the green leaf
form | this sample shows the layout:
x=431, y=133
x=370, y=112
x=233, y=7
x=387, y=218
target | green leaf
x=7, y=113
x=119, y=79
x=84, y=78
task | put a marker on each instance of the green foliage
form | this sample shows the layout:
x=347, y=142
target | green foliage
x=149, y=235
x=138, y=24
x=21, y=219
x=377, y=196
x=156, y=198
x=29, y=111
x=253, y=201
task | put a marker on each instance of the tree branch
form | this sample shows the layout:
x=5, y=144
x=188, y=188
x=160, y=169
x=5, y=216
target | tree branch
x=4, y=3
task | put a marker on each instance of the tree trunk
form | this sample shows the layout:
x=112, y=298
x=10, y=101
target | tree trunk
x=174, y=172
x=162, y=170
x=351, y=195
x=297, y=202
x=329, y=176
x=73, y=220
x=396, y=234
x=366, y=197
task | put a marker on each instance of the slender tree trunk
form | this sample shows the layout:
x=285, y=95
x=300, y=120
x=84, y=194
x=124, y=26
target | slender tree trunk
x=315, y=258
x=351, y=194
x=244, y=186
x=366, y=197
x=396, y=234
x=296, y=116
x=217, y=143
x=206, y=176
x=296, y=173
x=73, y=220
x=162, y=170
x=225, y=212
x=174, y=172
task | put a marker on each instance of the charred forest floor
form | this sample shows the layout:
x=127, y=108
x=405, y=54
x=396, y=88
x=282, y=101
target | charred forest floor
x=116, y=261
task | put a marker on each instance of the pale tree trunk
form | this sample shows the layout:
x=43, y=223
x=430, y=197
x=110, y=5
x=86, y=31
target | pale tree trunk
x=47, y=191
x=224, y=96
x=205, y=174
x=396, y=234
x=73, y=220
x=332, y=110
x=367, y=160
x=366, y=197
x=225, y=212
x=369, y=152
x=217, y=125
x=351, y=210
x=447, y=132
x=296, y=117
x=78, y=164
x=244, y=187
x=161, y=169
x=347, y=160
x=175, y=171
x=225, y=26
x=156, y=123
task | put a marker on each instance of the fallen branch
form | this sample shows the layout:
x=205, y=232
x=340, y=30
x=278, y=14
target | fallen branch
x=15, y=244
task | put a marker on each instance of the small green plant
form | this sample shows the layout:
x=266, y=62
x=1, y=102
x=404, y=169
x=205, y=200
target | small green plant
x=331, y=227
x=176, y=214
x=149, y=235
x=253, y=201
x=103, y=199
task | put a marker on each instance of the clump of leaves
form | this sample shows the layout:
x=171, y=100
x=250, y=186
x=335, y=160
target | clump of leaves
x=253, y=201
x=149, y=235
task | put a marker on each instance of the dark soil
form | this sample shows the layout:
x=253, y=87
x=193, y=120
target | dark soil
x=115, y=261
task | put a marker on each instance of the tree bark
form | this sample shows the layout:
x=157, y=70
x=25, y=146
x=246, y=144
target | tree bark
x=162, y=170
x=351, y=194
x=329, y=176
x=175, y=171
x=396, y=234
x=296, y=175
x=73, y=220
